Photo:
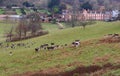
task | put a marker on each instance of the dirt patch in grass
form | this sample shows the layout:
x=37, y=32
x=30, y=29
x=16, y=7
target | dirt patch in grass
x=92, y=70
x=76, y=63
x=102, y=59
x=110, y=38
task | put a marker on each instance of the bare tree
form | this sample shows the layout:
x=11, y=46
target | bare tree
x=19, y=30
x=30, y=23
x=22, y=28
x=10, y=34
x=34, y=23
x=75, y=12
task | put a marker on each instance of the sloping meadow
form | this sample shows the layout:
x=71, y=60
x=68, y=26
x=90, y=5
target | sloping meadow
x=90, y=52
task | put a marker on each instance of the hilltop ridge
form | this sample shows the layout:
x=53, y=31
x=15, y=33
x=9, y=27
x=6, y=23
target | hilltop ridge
x=95, y=3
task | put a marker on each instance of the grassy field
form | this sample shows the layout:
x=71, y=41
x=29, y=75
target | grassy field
x=44, y=11
x=25, y=59
x=2, y=11
x=18, y=11
x=4, y=28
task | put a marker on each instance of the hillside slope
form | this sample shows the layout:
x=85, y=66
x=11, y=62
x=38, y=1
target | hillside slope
x=65, y=59
x=19, y=2
x=95, y=3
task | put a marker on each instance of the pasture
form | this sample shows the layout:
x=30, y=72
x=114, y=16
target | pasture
x=2, y=11
x=22, y=11
x=4, y=28
x=91, y=52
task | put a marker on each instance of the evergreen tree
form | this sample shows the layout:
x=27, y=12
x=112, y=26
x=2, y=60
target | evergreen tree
x=54, y=6
x=87, y=6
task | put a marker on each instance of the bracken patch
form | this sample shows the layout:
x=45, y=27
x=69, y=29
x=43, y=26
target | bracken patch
x=92, y=70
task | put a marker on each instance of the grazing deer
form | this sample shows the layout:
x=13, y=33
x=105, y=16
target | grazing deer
x=76, y=43
x=36, y=49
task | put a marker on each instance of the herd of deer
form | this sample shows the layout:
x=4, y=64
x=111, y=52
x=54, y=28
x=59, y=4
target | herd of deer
x=51, y=46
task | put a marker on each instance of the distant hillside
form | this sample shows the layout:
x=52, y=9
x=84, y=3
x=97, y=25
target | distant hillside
x=108, y=4
x=20, y=2
x=95, y=3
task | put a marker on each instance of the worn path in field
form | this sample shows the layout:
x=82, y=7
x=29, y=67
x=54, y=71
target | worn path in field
x=94, y=70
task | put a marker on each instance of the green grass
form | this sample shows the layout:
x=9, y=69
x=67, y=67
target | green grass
x=4, y=28
x=50, y=27
x=2, y=11
x=69, y=34
x=18, y=11
x=24, y=59
x=113, y=72
x=44, y=11
x=27, y=11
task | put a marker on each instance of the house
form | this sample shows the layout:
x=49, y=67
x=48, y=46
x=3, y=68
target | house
x=66, y=15
x=87, y=15
x=15, y=7
x=2, y=17
x=115, y=13
x=10, y=17
x=95, y=15
x=3, y=7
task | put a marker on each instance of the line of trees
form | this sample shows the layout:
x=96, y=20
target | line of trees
x=55, y=6
x=28, y=4
x=28, y=27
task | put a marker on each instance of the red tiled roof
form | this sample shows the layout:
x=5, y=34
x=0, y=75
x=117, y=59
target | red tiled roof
x=2, y=16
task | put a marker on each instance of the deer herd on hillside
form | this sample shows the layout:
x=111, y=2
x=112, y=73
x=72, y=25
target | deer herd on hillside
x=46, y=46
x=109, y=38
